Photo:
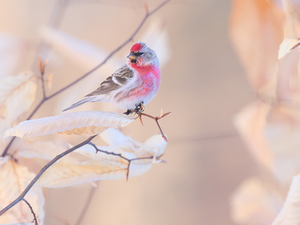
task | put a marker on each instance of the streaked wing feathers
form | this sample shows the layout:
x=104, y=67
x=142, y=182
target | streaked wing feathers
x=115, y=81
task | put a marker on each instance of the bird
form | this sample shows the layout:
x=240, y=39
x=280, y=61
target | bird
x=133, y=85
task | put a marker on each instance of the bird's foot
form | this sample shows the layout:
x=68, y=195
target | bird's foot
x=128, y=112
x=139, y=108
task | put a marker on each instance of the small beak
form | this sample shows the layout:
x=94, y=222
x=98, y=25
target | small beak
x=132, y=57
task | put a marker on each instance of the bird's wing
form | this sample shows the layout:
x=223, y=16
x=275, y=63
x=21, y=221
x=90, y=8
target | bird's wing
x=114, y=82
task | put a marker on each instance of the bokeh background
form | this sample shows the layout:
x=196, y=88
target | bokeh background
x=203, y=85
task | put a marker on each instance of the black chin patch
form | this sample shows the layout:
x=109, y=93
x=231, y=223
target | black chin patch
x=133, y=61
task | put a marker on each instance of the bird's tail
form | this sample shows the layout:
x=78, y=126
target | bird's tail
x=85, y=100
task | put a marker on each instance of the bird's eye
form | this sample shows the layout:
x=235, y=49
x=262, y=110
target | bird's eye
x=138, y=53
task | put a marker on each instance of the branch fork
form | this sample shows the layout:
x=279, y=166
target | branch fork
x=162, y=115
x=154, y=158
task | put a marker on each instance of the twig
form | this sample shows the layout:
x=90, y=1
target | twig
x=217, y=136
x=21, y=197
x=31, y=209
x=162, y=115
x=86, y=206
x=42, y=66
x=120, y=155
x=148, y=14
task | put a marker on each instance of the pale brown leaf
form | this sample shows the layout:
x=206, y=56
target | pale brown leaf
x=104, y=166
x=287, y=45
x=255, y=202
x=13, y=180
x=80, y=52
x=64, y=174
x=16, y=96
x=256, y=30
x=38, y=149
x=49, y=81
x=13, y=53
x=290, y=213
x=272, y=137
x=79, y=123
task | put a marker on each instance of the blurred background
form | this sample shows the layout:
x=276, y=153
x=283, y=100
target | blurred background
x=214, y=56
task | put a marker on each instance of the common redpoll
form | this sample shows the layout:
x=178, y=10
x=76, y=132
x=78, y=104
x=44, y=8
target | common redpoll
x=131, y=86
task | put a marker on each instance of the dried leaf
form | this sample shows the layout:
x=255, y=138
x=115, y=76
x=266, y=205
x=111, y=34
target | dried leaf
x=156, y=37
x=256, y=28
x=116, y=138
x=13, y=52
x=104, y=166
x=288, y=45
x=49, y=81
x=288, y=85
x=39, y=149
x=79, y=123
x=64, y=174
x=250, y=123
x=19, y=224
x=272, y=135
x=80, y=52
x=255, y=202
x=16, y=96
x=13, y=180
x=290, y=213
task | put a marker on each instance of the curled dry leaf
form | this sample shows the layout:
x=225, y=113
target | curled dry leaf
x=79, y=123
x=80, y=52
x=290, y=213
x=103, y=166
x=256, y=30
x=38, y=149
x=255, y=202
x=16, y=96
x=20, y=224
x=156, y=36
x=288, y=45
x=272, y=136
x=13, y=53
x=13, y=180
x=116, y=138
x=48, y=81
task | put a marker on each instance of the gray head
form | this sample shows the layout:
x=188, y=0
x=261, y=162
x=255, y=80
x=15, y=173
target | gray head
x=142, y=55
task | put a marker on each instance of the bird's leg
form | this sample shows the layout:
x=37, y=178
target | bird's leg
x=138, y=108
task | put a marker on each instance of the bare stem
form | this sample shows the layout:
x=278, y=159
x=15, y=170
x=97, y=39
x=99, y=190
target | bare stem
x=42, y=66
x=31, y=209
x=140, y=114
x=87, y=141
x=45, y=98
x=120, y=155
x=148, y=14
x=86, y=206
x=21, y=197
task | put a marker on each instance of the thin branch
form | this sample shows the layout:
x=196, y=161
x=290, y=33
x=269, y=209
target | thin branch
x=162, y=115
x=87, y=141
x=21, y=197
x=31, y=209
x=148, y=14
x=86, y=206
x=28, y=118
x=120, y=155
x=42, y=66
x=217, y=136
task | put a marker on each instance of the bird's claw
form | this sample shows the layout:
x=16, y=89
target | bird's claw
x=139, y=108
